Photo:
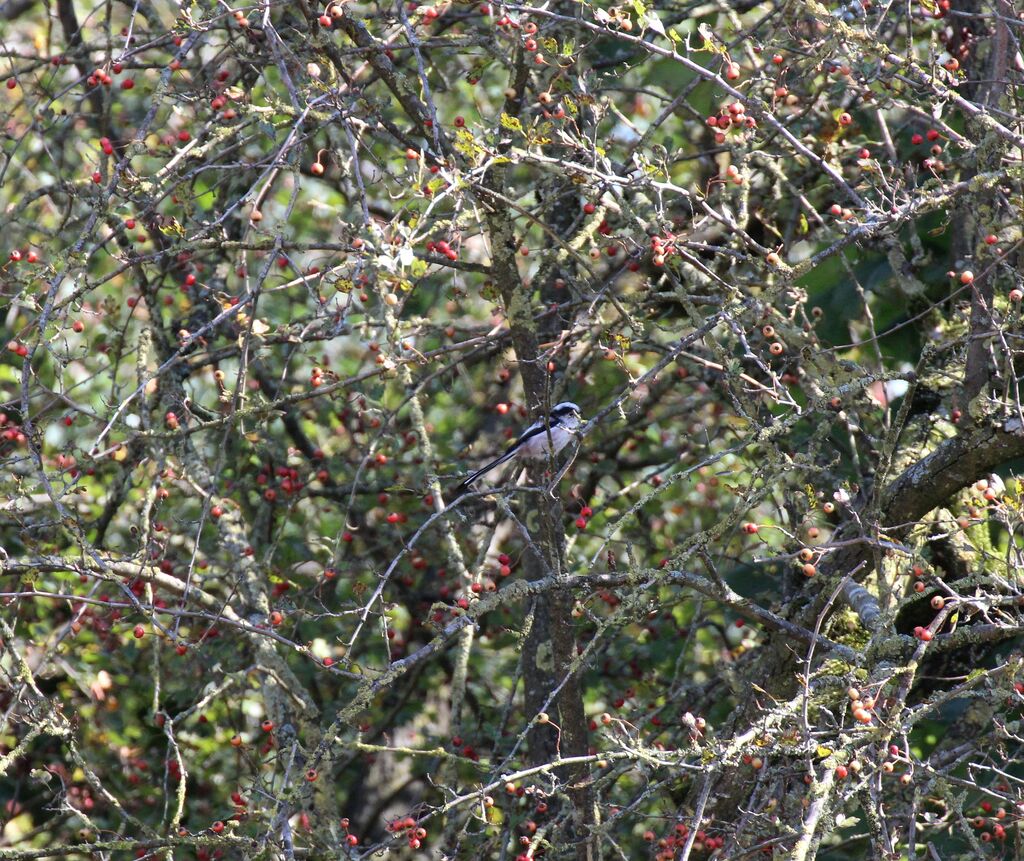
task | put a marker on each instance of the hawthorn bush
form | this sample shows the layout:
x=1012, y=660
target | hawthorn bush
x=276, y=276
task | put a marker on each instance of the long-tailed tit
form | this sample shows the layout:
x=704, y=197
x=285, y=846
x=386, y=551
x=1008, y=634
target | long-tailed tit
x=534, y=441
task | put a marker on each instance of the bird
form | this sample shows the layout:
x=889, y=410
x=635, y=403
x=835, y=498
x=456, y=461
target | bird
x=535, y=442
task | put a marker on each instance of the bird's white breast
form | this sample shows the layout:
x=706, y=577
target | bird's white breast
x=537, y=446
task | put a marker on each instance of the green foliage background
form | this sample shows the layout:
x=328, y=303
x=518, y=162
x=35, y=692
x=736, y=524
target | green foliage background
x=242, y=380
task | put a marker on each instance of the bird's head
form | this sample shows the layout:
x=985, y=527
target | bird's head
x=565, y=410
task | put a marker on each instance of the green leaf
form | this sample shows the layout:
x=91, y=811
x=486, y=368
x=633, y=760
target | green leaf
x=466, y=144
x=650, y=21
x=711, y=42
x=511, y=123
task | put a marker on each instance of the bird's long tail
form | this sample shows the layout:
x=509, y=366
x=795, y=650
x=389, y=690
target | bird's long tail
x=463, y=486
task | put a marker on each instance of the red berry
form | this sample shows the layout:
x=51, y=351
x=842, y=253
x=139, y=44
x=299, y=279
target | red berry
x=138, y=632
x=127, y=84
x=589, y=208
